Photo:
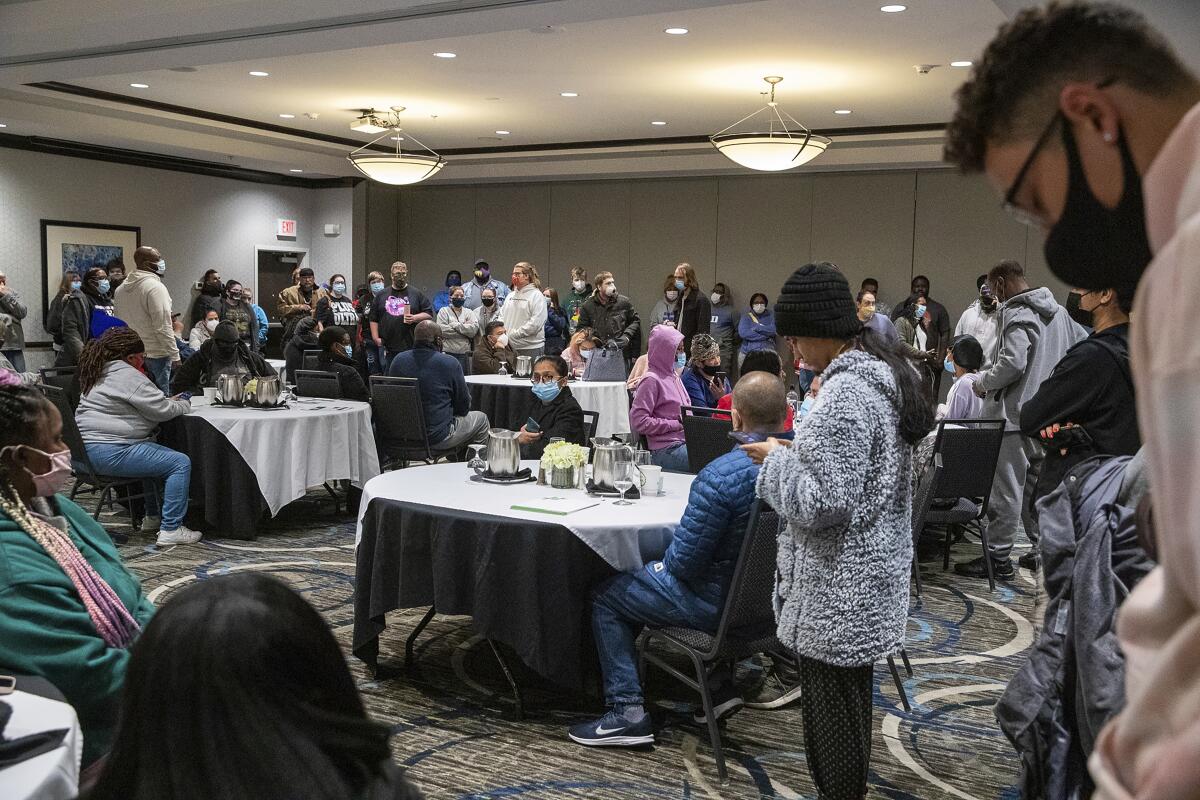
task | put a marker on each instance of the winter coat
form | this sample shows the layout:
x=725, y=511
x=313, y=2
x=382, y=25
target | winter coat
x=349, y=380
x=699, y=387
x=693, y=314
x=707, y=540
x=615, y=320
x=1035, y=333
x=563, y=417
x=243, y=318
x=11, y=305
x=1072, y=681
x=143, y=302
x=195, y=373
x=843, y=488
x=486, y=360
x=199, y=335
x=659, y=395
x=556, y=330
x=757, y=331
x=77, y=324
x=572, y=301
x=204, y=303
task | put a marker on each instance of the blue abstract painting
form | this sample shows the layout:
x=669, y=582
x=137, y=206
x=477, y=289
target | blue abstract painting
x=82, y=257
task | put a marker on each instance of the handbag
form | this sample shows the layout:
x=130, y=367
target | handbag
x=606, y=365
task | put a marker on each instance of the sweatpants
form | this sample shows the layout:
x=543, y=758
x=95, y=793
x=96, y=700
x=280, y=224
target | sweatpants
x=1010, y=509
x=836, y=707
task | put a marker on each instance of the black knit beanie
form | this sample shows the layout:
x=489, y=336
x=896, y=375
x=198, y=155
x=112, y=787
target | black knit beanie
x=816, y=302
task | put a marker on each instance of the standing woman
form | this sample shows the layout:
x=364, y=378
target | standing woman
x=337, y=308
x=723, y=324
x=757, y=327
x=459, y=326
x=919, y=337
x=366, y=305
x=87, y=313
x=663, y=312
x=693, y=312
x=70, y=283
x=235, y=309
x=556, y=323
x=843, y=489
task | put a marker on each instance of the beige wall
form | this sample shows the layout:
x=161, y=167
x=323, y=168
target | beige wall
x=749, y=231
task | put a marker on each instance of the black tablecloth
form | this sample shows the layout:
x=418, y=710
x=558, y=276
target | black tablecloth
x=527, y=584
x=506, y=406
x=222, y=482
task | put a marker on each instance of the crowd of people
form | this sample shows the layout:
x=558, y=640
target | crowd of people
x=1078, y=113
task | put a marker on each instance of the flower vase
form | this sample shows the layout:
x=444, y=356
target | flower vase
x=563, y=477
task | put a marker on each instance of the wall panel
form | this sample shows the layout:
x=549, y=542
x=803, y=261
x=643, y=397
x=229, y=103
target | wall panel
x=589, y=228
x=439, y=225
x=512, y=223
x=763, y=232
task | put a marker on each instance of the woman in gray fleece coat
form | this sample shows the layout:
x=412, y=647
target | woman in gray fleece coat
x=843, y=489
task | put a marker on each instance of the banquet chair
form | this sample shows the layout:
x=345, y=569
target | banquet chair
x=922, y=500
x=309, y=359
x=318, y=383
x=591, y=422
x=968, y=450
x=399, y=417
x=64, y=378
x=87, y=479
x=707, y=437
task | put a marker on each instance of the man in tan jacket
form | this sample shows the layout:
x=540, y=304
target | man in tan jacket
x=299, y=301
x=144, y=303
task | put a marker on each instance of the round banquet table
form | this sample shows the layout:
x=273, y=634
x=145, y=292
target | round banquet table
x=52, y=771
x=248, y=461
x=507, y=401
x=429, y=536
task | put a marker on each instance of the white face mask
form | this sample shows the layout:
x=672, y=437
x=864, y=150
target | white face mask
x=672, y=295
x=502, y=340
x=611, y=290
x=716, y=298
x=578, y=285
x=211, y=324
x=759, y=308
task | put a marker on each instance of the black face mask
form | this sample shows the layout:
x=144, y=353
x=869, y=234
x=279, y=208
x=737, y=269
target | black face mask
x=1094, y=247
x=711, y=369
x=213, y=289
x=988, y=303
x=1081, y=315
x=488, y=301
x=225, y=349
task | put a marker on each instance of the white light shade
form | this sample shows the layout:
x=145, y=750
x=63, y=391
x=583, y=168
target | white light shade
x=396, y=169
x=770, y=152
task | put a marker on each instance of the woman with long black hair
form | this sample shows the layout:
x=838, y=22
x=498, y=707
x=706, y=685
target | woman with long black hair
x=843, y=489
x=86, y=314
x=238, y=690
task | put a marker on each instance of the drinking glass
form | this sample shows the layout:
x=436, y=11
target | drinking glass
x=476, y=462
x=624, y=481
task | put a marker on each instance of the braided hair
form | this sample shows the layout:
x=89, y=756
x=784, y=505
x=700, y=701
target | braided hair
x=115, y=344
x=22, y=409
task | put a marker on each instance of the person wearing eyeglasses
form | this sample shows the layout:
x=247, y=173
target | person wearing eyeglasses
x=556, y=414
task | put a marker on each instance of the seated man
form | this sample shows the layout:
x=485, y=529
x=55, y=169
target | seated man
x=688, y=587
x=492, y=350
x=444, y=396
x=223, y=354
x=557, y=415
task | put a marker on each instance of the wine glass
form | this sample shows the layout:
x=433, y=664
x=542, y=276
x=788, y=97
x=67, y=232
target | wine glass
x=476, y=463
x=624, y=481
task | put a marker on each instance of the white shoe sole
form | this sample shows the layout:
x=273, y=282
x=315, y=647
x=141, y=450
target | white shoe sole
x=723, y=711
x=784, y=699
x=614, y=741
x=171, y=540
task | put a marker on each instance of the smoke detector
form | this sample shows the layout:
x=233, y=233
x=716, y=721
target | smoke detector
x=925, y=69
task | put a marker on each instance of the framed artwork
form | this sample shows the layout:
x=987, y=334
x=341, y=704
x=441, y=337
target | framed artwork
x=79, y=246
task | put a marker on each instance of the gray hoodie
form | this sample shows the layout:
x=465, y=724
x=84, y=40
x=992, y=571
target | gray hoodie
x=124, y=407
x=1035, y=333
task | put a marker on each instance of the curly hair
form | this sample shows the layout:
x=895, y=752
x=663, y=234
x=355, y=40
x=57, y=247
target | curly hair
x=1013, y=89
x=112, y=345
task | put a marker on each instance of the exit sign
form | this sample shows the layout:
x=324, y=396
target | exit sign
x=285, y=227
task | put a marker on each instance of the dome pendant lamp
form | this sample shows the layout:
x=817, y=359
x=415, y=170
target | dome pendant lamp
x=399, y=168
x=785, y=144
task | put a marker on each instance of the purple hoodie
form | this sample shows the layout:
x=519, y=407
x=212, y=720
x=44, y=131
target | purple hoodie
x=655, y=409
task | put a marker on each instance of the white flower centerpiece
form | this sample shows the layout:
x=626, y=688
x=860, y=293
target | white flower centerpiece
x=565, y=463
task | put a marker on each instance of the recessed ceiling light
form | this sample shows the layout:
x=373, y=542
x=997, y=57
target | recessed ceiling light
x=287, y=116
x=446, y=55
x=295, y=170
x=961, y=63
x=2, y=125
x=502, y=133
x=259, y=73
x=658, y=122
x=569, y=94
x=676, y=31
x=140, y=85
x=842, y=111
x=893, y=9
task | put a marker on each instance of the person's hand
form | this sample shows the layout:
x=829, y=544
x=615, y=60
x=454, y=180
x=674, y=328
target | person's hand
x=978, y=390
x=526, y=437
x=306, y=306
x=759, y=451
x=408, y=319
x=1049, y=431
x=180, y=396
x=378, y=342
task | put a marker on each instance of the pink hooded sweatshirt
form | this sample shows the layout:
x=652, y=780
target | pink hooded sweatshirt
x=655, y=409
x=1152, y=749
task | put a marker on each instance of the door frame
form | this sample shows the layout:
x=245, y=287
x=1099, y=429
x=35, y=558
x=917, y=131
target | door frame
x=274, y=248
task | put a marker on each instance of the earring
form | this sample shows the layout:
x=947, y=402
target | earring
x=1108, y=137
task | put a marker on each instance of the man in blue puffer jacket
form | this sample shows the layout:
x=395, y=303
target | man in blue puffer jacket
x=688, y=587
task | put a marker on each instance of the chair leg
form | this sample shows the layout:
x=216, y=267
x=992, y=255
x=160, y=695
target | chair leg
x=987, y=555
x=100, y=503
x=904, y=658
x=946, y=547
x=512, y=683
x=714, y=732
x=891, y=662
x=412, y=637
x=916, y=571
x=337, y=503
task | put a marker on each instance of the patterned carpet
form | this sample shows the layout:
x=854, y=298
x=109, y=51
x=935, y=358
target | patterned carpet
x=453, y=724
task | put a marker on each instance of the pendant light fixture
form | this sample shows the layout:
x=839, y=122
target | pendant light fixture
x=399, y=168
x=784, y=144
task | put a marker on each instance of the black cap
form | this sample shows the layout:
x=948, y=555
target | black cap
x=482, y=263
x=306, y=272
x=816, y=302
x=226, y=331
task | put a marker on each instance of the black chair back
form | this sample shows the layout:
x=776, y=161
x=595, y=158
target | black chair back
x=591, y=422
x=749, y=606
x=71, y=434
x=64, y=378
x=318, y=383
x=922, y=501
x=308, y=359
x=969, y=450
x=707, y=437
x=400, y=417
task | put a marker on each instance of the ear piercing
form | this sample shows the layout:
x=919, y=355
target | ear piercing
x=1108, y=137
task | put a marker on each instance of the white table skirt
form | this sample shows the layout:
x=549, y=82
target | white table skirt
x=625, y=536
x=305, y=445
x=609, y=398
x=50, y=776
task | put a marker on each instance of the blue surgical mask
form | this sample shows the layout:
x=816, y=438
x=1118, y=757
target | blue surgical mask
x=949, y=365
x=679, y=284
x=586, y=354
x=376, y=288
x=457, y=302
x=349, y=350
x=680, y=361
x=162, y=265
x=339, y=287
x=103, y=285
x=76, y=286
x=807, y=405
x=546, y=391
x=920, y=311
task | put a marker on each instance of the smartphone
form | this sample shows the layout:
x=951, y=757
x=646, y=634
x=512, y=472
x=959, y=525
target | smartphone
x=185, y=395
x=531, y=425
x=743, y=438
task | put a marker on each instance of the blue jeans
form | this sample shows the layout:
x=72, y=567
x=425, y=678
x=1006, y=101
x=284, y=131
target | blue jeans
x=16, y=358
x=621, y=605
x=159, y=370
x=375, y=365
x=149, y=460
x=672, y=458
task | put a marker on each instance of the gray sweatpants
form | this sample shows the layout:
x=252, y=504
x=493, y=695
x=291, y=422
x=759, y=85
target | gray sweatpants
x=471, y=429
x=1010, y=511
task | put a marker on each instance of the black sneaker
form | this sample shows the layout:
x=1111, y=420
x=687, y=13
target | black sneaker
x=976, y=568
x=1030, y=561
x=613, y=730
x=780, y=688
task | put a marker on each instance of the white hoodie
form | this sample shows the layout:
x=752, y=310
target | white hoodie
x=144, y=303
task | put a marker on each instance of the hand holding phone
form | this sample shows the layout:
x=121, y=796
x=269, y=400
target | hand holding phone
x=532, y=426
